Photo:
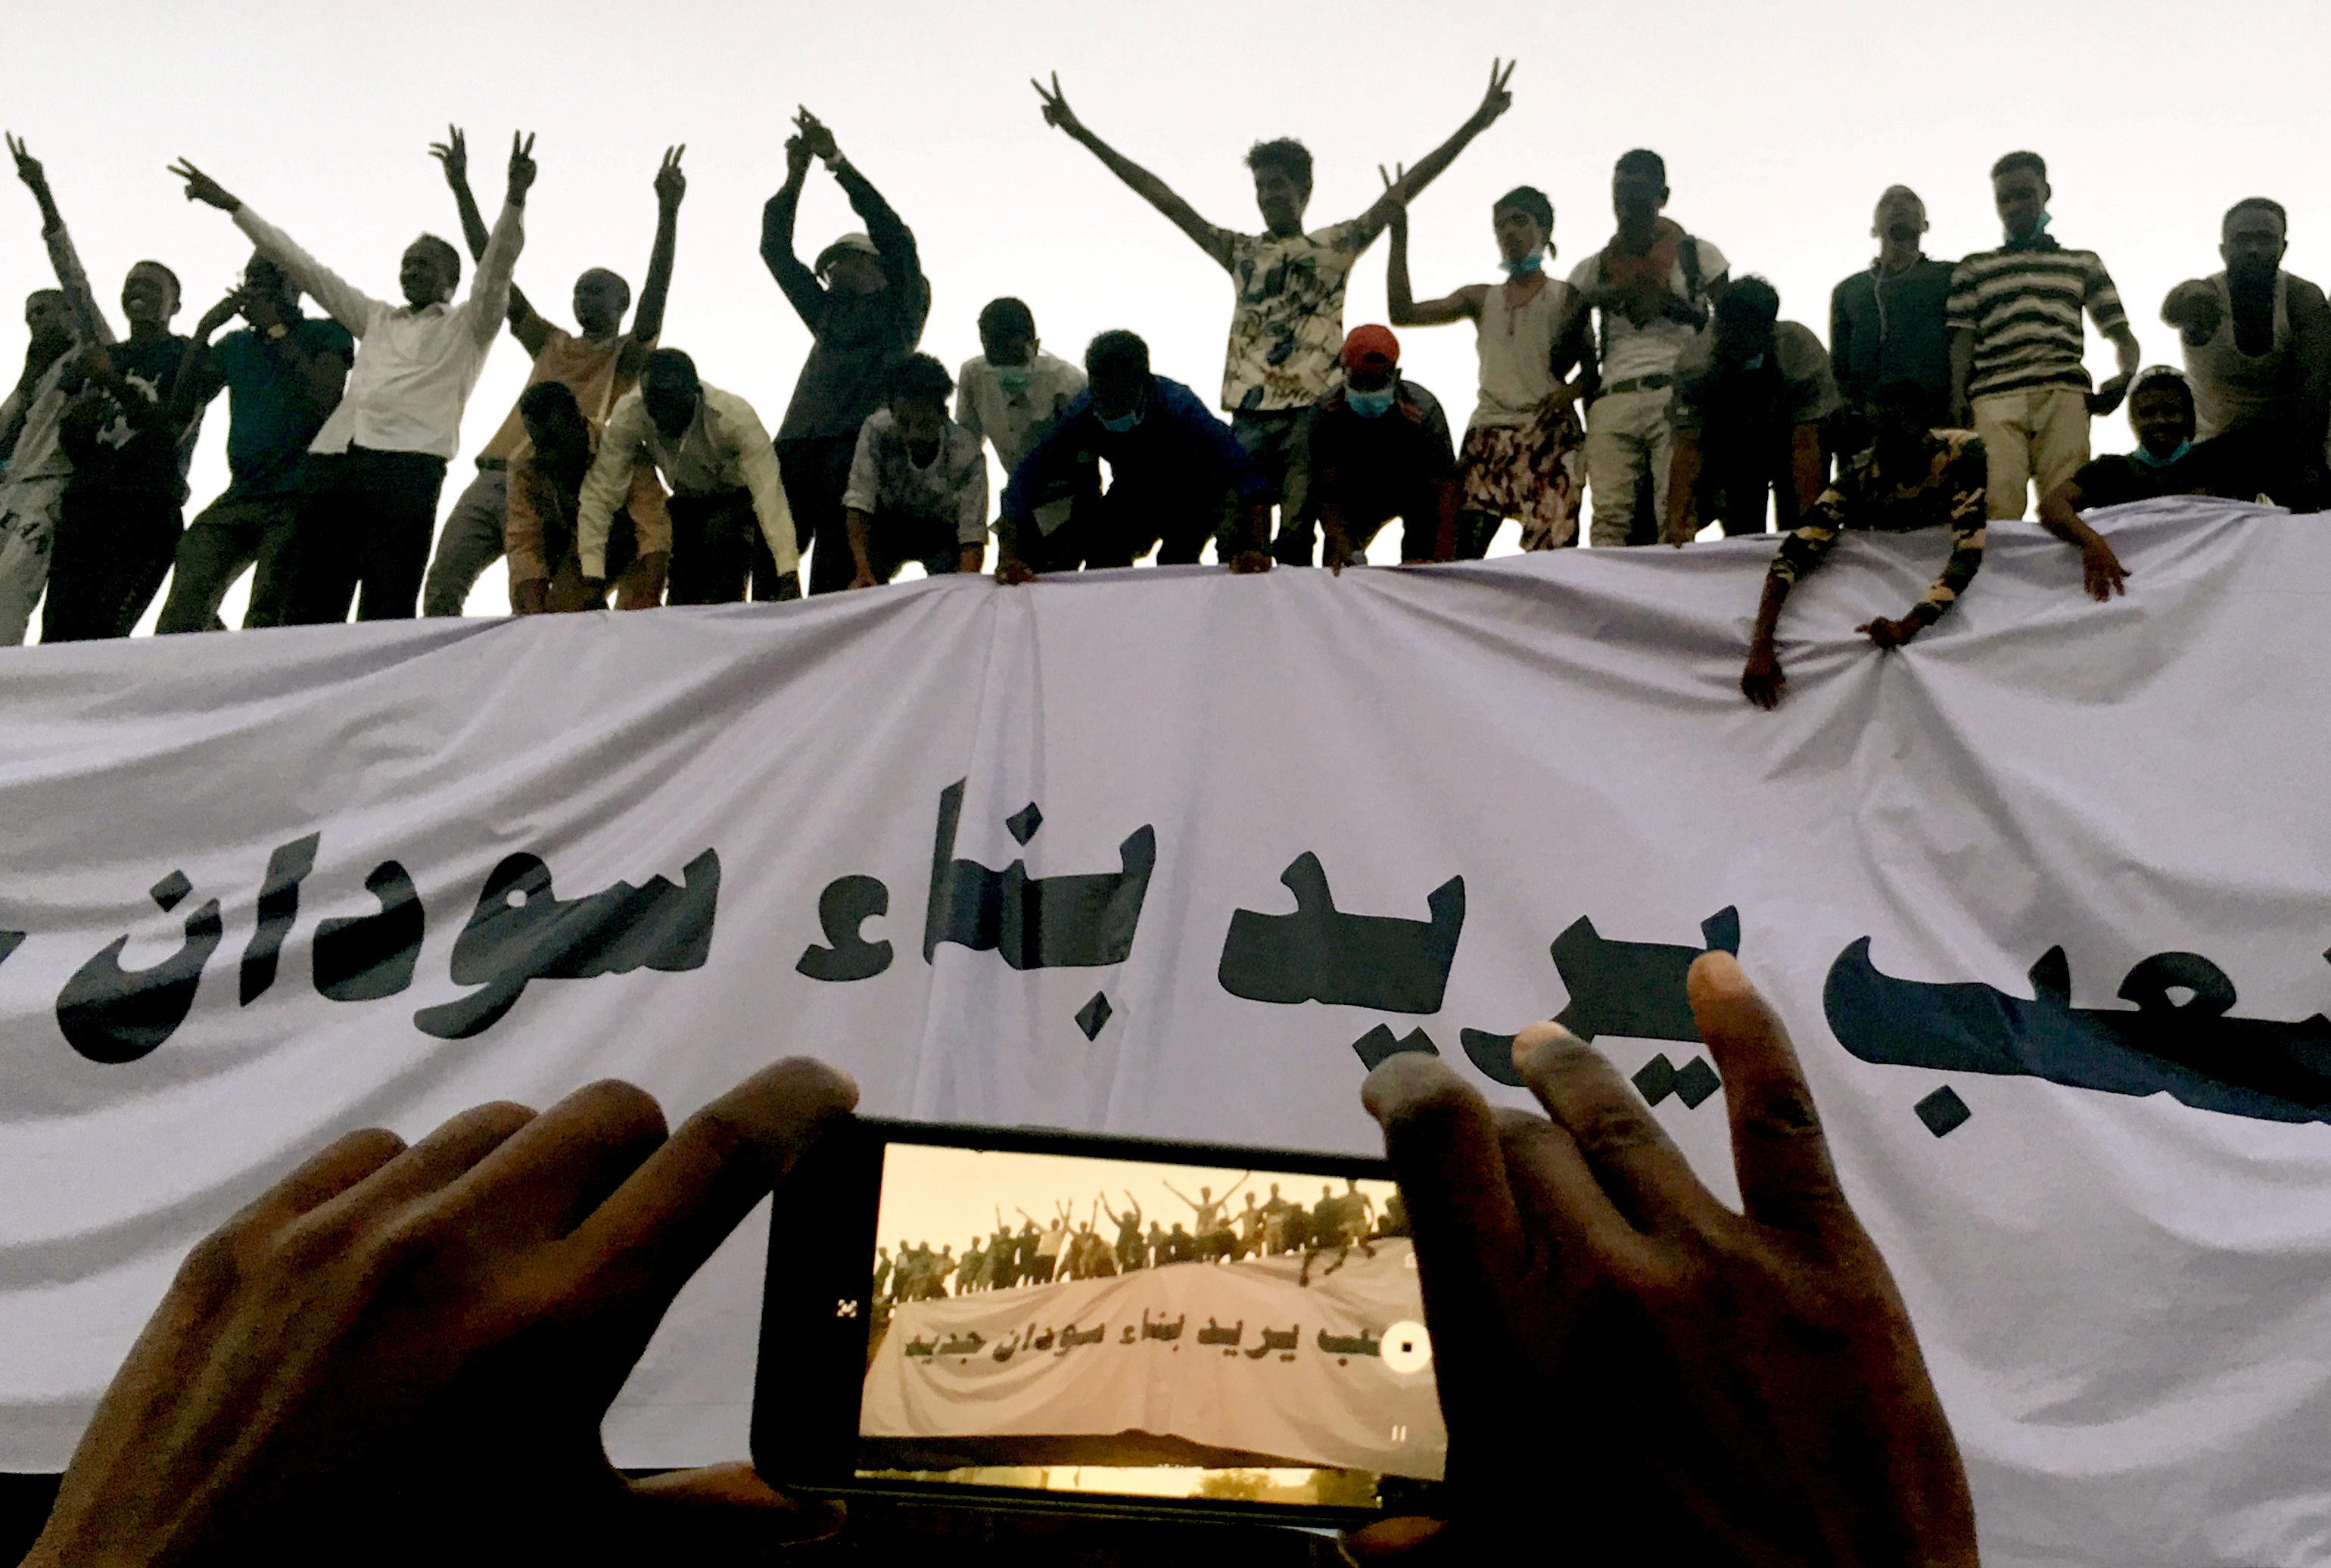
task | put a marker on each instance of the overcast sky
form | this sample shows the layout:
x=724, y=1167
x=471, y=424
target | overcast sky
x=1780, y=121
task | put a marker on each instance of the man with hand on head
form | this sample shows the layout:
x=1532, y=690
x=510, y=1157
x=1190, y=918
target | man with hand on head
x=1013, y=389
x=919, y=484
x=366, y=531
x=1891, y=321
x=2017, y=378
x=1289, y=318
x=1911, y=478
x=1379, y=450
x=2257, y=342
x=864, y=302
x=121, y=450
x=1653, y=285
x=1171, y=462
x=1523, y=454
x=282, y=374
x=598, y=366
x=713, y=453
x=1751, y=394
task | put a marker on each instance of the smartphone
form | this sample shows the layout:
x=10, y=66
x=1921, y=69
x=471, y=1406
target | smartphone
x=1037, y=1320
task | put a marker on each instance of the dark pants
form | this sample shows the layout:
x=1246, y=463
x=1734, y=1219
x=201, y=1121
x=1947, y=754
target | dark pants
x=230, y=535
x=712, y=539
x=899, y=537
x=113, y=547
x=1279, y=439
x=367, y=527
x=816, y=471
x=1120, y=526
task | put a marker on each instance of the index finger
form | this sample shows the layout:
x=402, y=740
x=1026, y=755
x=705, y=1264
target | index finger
x=641, y=1245
x=1778, y=1153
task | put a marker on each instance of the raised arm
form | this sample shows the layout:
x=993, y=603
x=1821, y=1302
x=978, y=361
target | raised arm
x=346, y=304
x=1401, y=304
x=81, y=303
x=453, y=153
x=801, y=286
x=1213, y=240
x=489, y=292
x=1411, y=184
x=198, y=379
x=647, y=319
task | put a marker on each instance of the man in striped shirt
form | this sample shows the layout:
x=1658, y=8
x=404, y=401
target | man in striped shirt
x=2016, y=343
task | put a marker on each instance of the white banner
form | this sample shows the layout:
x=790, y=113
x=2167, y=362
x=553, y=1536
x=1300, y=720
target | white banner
x=1204, y=844
x=1274, y=1361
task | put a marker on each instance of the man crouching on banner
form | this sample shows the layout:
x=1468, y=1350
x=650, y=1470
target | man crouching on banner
x=404, y=1353
x=1911, y=478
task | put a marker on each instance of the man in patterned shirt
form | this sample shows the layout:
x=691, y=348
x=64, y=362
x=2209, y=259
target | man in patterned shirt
x=1288, y=325
x=1910, y=478
x=2016, y=375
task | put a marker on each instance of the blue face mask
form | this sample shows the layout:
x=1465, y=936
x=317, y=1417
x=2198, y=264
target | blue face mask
x=1373, y=404
x=2149, y=460
x=1121, y=423
x=1526, y=266
x=1013, y=377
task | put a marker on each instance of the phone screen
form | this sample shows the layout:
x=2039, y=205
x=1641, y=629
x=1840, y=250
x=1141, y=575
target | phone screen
x=1092, y=1319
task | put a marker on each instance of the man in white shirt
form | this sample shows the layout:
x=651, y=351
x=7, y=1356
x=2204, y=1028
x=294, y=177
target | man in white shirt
x=1654, y=285
x=383, y=453
x=1013, y=390
x=717, y=460
x=917, y=487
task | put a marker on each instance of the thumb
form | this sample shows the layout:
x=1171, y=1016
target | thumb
x=723, y=1514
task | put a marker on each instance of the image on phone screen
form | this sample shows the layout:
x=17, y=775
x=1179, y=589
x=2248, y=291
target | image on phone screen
x=1069, y=1322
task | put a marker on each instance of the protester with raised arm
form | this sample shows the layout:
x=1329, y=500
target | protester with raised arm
x=1653, y=286
x=366, y=532
x=1289, y=323
x=123, y=450
x=2017, y=378
x=918, y=483
x=282, y=374
x=1524, y=456
x=864, y=301
x=1751, y=396
x=1912, y=477
x=1890, y=322
x=599, y=365
x=1171, y=464
x=713, y=452
x=57, y=322
x=2257, y=344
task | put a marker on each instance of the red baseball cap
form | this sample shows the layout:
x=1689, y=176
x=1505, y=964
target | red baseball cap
x=1368, y=343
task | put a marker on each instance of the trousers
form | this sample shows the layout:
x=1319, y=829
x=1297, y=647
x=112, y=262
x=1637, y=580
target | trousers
x=230, y=535
x=470, y=542
x=364, y=536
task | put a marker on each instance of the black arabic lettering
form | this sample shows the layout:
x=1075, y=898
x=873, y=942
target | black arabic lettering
x=2195, y=1053
x=1634, y=989
x=845, y=905
x=1379, y=1043
x=279, y=909
x=1161, y=1329
x=1359, y=1344
x=1318, y=953
x=1005, y=1349
x=114, y=1015
x=964, y=1343
x=1034, y=922
x=1215, y=1333
x=372, y=956
x=921, y=1347
x=1071, y=1339
x=540, y=937
x=1041, y=1342
x=1277, y=1339
x=9, y=941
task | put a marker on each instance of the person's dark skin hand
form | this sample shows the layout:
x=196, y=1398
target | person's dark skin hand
x=1762, y=681
x=1013, y=573
x=1892, y=634
x=1335, y=552
x=640, y=587
x=1057, y=112
x=816, y=138
x=201, y=187
x=2106, y=398
x=237, y=302
x=671, y=184
x=1631, y=1370
x=1251, y=561
x=2101, y=572
x=407, y=1353
x=798, y=159
x=454, y=155
x=1497, y=99
x=531, y=597
x=522, y=168
x=28, y=168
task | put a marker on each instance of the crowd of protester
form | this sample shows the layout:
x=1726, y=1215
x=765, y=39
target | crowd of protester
x=1060, y=1248
x=1652, y=380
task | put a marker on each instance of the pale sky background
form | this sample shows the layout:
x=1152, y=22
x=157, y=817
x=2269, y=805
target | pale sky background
x=946, y=1196
x=1780, y=121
